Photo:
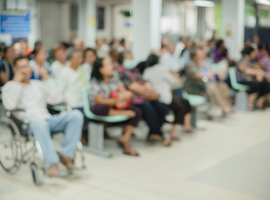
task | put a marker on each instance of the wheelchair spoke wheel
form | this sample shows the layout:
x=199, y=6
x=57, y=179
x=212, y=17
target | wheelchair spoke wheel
x=10, y=146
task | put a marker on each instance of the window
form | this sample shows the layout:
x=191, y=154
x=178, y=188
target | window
x=100, y=18
x=74, y=17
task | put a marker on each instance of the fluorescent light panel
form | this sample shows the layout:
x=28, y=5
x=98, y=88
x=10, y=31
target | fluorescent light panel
x=204, y=3
x=265, y=2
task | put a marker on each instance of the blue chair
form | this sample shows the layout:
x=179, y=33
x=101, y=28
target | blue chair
x=241, y=95
x=195, y=101
x=96, y=127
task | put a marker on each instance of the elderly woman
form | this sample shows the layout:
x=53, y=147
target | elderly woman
x=201, y=81
x=145, y=97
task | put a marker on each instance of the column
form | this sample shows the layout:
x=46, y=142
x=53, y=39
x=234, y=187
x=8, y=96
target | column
x=35, y=23
x=87, y=22
x=233, y=26
x=201, y=25
x=146, y=27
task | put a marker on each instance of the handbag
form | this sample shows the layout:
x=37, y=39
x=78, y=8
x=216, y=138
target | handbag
x=120, y=105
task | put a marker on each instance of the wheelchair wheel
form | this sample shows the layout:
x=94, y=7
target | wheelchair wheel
x=10, y=146
x=37, y=174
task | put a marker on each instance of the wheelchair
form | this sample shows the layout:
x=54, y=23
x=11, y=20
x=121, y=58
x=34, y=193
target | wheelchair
x=18, y=146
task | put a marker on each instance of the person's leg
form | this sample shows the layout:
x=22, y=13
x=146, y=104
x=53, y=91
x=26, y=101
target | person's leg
x=84, y=138
x=71, y=123
x=187, y=119
x=42, y=133
x=125, y=138
x=150, y=117
x=162, y=110
x=263, y=91
x=252, y=92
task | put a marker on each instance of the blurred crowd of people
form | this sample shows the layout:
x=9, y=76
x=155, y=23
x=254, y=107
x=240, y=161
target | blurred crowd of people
x=31, y=79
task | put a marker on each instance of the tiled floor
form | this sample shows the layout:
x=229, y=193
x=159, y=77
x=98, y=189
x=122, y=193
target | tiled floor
x=228, y=161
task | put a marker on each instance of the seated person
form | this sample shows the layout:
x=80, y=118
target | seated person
x=162, y=79
x=169, y=60
x=103, y=83
x=200, y=81
x=250, y=74
x=40, y=62
x=6, y=70
x=89, y=57
x=60, y=62
x=33, y=96
x=72, y=79
x=145, y=97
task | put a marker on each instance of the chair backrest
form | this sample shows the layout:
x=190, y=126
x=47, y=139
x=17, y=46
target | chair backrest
x=86, y=105
x=234, y=83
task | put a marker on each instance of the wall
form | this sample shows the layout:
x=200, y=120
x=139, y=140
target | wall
x=107, y=32
x=54, y=22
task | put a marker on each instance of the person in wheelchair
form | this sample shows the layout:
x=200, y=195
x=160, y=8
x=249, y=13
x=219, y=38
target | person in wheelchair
x=33, y=97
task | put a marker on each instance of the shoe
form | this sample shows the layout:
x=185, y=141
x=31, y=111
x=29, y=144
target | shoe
x=67, y=162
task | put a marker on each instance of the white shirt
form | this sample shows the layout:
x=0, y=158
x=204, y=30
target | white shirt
x=35, y=68
x=170, y=62
x=178, y=49
x=32, y=97
x=70, y=85
x=57, y=68
x=161, y=79
x=88, y=69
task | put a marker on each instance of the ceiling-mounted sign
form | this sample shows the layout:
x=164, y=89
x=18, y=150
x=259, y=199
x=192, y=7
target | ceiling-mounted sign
x=15, y=22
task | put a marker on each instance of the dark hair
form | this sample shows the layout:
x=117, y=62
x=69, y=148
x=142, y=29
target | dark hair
x=219, y=43
x=89, y=49
x=5, y=51
x=36, y=50
x=122, y=41
x=224, y=53
x=193, y=53
x=95, y=72
x=19, y=58
x=121, y=57
x=247, y=51
x=152, y=60
x=37, y=43
x=70, y=52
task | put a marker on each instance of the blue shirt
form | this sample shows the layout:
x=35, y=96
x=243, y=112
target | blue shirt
x=3, y=69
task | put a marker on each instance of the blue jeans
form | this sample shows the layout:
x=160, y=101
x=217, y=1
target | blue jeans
x=69, y=122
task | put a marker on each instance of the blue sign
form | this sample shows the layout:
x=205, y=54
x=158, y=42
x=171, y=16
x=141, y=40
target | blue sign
x=15, y=22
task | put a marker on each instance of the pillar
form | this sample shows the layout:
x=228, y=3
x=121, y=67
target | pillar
x=201, y=25
x=146, y=27
x=87, y=22
x=35, y=23
x=233, y=26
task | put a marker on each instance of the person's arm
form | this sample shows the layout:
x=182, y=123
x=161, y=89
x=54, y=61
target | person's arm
x=11, y=94
x=124, y=94
x=3, y=77
x=108, y=102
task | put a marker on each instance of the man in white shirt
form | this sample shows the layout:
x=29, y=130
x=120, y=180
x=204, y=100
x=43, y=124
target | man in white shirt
x=60, y=62
x=33, y=96
x=168, y=60
x=73, y=78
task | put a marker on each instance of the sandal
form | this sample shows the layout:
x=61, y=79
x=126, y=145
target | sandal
x=67, y=162
x=53, y=171
x=175, y=138
x=166, y=142
x=154, y=138
x=127, y=149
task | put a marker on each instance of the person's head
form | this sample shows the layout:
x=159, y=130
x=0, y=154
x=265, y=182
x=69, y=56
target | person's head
x=75, y=56
x=38, y=45
x=59, y=53
x=249, y=52
x=152, y=60
x=197, y=54
x=123, y=42
x=9, y=54
x=220, y=44
x=98, y=43
x=79, y=43
x=40, y=54
x=171, y=48
x=114, y=54
x=211, y=43
x=90, y=56
x=224, y=53
x=256, y=39
x=126, y=59
x=102, y=69
x=21, y=64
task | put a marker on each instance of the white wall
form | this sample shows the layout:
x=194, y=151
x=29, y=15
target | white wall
x=54, y=23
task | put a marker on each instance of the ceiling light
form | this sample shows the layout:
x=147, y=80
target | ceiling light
x=204, y=3
x=265, y=2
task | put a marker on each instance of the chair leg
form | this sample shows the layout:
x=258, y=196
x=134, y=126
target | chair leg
x=96, y=140
x=241, y=99
x=194, y=118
